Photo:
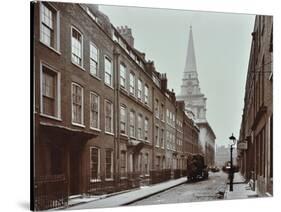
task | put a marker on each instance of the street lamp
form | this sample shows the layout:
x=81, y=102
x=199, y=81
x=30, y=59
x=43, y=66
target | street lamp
x=231, y=171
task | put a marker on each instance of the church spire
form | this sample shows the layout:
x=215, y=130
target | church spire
x=195, y=101
x=190, y=81
x=190, y=61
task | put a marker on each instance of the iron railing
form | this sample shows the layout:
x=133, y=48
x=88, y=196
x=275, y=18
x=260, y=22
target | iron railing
x=177, y=173
x=158, y=176
x=50, y=192
x=102, y=185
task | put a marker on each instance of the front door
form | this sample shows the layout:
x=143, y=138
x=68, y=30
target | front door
x=74, y=172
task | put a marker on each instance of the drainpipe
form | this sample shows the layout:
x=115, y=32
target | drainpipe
x=116, y=55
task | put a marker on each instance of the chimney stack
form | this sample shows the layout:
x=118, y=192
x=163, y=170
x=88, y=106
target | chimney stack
x=164, y=82
x=126, y=33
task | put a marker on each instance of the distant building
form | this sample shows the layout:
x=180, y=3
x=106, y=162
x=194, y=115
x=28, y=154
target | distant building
x=223, y=155
x=195, y=103
x=256, y=132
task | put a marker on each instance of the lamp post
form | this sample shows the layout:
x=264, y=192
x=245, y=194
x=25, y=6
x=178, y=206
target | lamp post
x=231, y=171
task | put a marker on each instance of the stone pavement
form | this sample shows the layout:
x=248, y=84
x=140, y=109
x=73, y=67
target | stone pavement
x=241, y=189
x=128, y=197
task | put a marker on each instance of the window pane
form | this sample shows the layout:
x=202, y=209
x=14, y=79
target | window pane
x=76, y=47
x=95, y=163
x=132, y=123
x=108, y=117
x=108, y=159
x=132, y=83
x=46, y=35
x=123, y=163
x=77, y=104
x=139, y=89
x=108, y=71
x=123, y=120
x=49, y=90
x=48, y=21
x=122, y=76
x=47, y=16
x=93, y=60
x=94, y=116
x=146, y=94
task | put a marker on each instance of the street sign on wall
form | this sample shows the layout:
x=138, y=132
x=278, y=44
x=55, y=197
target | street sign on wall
x=242, y=146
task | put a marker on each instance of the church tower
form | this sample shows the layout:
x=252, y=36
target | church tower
x=194, y=100
x=195, y=103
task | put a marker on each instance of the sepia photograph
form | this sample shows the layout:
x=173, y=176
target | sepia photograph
x=138, y=106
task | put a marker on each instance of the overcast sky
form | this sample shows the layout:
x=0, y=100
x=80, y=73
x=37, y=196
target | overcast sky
x=222, y=46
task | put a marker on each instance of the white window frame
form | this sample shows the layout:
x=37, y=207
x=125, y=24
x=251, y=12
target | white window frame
x=132, y=124
x=98, y=53
x=124, y=78
x=162, y=107
x=111, y=168
x=82, y=48
x=99, y=163
x=82, y=108
x=111, y=72
x=140, y=127
x=58, y=93
x=134, y=83
x=157, y=141
x=126, y=118
x=146, y=129
x=56, y=48
x=140, y=89
x=146, y=95
x=156, y=106
x=163, y=138
x=168, y=139
x=111, y=124
x=126, y=165
x=93, y=93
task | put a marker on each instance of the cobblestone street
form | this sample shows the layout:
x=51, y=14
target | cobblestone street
x=190, y=192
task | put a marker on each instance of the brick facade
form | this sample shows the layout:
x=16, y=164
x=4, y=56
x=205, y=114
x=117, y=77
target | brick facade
x=94, y=136
x=256, y=132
